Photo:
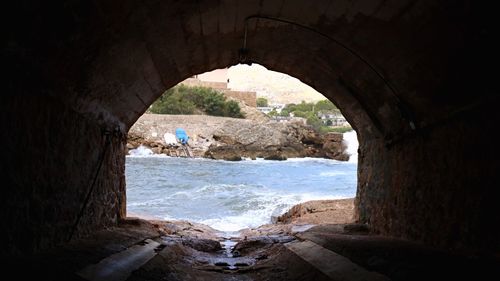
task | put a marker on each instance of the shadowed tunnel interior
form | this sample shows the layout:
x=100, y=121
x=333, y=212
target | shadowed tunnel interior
x=410, y=76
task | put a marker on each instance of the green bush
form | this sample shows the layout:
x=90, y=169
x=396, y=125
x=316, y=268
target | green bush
x=325, y=105
x=232, y=109
x=310, y=111
x=193, y=100
x=262, y=102
x=303, y=106
x=303, y=114
x=284, y=112
x=314, y=121
x=213, y=103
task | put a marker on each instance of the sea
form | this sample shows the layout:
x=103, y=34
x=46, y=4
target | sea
x=230, y=196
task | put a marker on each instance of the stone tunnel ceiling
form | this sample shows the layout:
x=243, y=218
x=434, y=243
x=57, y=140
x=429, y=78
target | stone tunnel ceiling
x=402, y=72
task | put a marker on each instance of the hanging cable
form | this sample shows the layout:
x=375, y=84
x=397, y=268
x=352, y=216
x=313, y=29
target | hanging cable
x=107, y=136
x=406, y=113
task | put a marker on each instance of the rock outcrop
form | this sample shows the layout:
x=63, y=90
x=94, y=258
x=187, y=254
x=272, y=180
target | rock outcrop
x=233, y=139
x=338, y=211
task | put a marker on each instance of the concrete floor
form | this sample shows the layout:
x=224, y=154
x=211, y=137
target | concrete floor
x=137, y=250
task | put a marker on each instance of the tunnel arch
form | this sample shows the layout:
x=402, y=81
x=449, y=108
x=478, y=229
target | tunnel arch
x=94, y=69
x=278, y=46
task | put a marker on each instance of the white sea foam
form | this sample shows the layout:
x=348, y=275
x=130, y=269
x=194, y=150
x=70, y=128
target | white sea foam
x=230, y=196
x=351, y=140
x=261, y=210
x=140, y=151
x=331, y=174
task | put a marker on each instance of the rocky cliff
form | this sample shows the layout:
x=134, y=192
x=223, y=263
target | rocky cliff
x=232, y=139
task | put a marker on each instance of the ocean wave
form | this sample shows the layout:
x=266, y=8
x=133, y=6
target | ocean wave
x=332, y=174
x=138, y=155
x=248, y=219
x=260, y=211
x=226, y=207
x=351, y=140
x=214, y=188
x=298, y=159
x=147, y=203
x=230, y=196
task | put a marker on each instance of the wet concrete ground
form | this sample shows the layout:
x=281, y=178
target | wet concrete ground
x=189, y=252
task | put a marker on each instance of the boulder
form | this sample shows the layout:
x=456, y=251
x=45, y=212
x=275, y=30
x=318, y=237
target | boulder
x=203, y=245
x=278, y=157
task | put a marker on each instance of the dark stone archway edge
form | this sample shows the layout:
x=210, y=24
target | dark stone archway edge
x=79, y=74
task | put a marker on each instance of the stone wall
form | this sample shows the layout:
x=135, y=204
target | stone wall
x=45, y=189
x=249, y=98
x=412, y=189
x=193, y=82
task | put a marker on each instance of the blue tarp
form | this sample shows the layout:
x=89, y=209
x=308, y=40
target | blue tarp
x=181, y=135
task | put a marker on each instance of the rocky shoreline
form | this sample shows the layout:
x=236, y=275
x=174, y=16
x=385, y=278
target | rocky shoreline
x=203, y=253
x=300, y=216
x=233, y=139
x=286, y=250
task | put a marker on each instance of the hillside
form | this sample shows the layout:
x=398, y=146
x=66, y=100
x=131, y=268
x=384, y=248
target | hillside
x=275, y=86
